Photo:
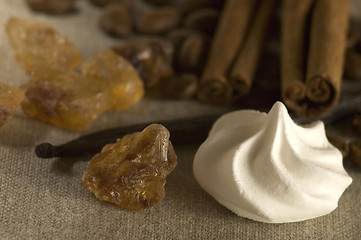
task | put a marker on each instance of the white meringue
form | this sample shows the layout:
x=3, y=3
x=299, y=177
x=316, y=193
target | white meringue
x=267, y=168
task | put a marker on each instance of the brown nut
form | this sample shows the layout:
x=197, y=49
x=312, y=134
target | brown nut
x=51, y=6
x=158, y=20
x=152, y=58
x=116, y=20
x=192, y=53
x=181, y=86
x=204, y=20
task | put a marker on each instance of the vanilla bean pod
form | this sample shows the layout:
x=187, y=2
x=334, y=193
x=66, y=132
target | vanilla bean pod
x=183, y=131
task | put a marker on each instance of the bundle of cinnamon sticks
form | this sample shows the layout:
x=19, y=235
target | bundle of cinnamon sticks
x=235, y=50
x=313, y=46
x=313, y=39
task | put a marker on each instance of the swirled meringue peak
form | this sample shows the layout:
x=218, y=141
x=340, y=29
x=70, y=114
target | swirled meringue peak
x=267, y=168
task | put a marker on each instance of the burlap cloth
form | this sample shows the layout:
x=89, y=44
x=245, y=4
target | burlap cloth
x=43, y=199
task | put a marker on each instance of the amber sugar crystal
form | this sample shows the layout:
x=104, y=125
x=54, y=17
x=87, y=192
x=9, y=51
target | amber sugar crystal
x=36, y=43
x=64, y=98
x=10, y=99
x=119, y=75
x=73, y=101
x=132, y=172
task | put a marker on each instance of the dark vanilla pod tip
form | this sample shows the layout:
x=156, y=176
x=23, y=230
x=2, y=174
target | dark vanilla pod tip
x=45, y=150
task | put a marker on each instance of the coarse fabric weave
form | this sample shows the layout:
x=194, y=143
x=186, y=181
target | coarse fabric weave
x=43, y=198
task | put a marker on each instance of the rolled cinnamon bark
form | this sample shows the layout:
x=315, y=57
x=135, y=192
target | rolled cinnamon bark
x=326, y=55
x=229, y=35
x=241, y=77
x=295, y=15
x=319, y=90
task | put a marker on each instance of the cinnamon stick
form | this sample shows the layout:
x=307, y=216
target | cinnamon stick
x=241, y=77
x=293, y=53
x=315, y=90
x=229, y=35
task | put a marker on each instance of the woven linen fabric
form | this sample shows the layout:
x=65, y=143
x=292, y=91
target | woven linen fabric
x=43, y=198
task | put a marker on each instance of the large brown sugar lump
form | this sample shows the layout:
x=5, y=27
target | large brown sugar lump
x=118, y=75
x=64, y=98
x=132, y=172
x=36, y=43
x=69, y=100
x=10, y=99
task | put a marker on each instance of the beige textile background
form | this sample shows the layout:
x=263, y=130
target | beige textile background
x=43, y=199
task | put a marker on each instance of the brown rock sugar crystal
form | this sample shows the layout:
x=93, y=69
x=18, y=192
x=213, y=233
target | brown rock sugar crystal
x=10, y=99
x=36, y=43
x=64, y=98
x=72, y=101
x=119, y=75
x=132, y=172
